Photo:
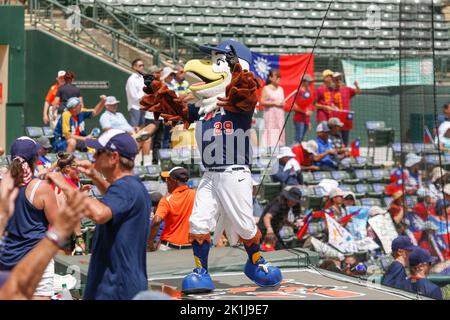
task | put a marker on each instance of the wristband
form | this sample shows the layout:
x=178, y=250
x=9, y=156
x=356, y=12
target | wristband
x=56, y=239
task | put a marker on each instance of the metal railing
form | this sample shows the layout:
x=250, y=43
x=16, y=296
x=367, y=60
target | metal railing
x=93, y=34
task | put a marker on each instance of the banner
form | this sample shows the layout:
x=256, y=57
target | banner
x=324, y=250
x=358, y=225
x=367, y=244
x=384, y=228
x=339, y=237
x=291, y=69
x=386, y=73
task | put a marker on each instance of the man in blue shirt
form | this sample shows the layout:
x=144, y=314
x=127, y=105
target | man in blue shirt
x=117, y=269
x=396, y=276
x=289, y=171
x=445, y=116
x=420, y=262
x=324, y=158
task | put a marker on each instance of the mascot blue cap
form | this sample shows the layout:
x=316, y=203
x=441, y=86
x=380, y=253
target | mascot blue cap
x=242, y=51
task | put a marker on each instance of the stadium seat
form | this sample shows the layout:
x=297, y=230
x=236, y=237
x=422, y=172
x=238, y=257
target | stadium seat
x=308, y=178
x=379, y=136
x=140, y=171
x=370, y=202
x=153, y=172
x=343, y=176
x=34, y=132
x=363, y=174
x=4, y=161
x=151, y=186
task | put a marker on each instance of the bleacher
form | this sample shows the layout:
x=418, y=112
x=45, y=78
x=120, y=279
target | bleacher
x=289, y=26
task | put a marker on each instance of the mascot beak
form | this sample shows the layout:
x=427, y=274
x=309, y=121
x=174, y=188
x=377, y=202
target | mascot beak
x=201, y=76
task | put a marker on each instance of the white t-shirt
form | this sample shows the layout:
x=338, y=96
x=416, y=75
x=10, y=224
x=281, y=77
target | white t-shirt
x=134, y=90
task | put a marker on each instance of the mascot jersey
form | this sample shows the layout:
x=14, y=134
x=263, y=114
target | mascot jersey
x=223, y=137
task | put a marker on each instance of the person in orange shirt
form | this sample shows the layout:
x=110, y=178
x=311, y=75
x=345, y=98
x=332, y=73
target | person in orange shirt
x=51, y=97
x=175, y=209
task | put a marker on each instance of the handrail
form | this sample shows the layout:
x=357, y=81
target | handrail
x=117, y=37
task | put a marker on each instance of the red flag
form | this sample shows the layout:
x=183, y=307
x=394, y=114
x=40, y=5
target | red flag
x=354, y=148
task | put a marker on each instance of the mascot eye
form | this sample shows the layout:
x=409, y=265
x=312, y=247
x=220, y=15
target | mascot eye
x=219, y=61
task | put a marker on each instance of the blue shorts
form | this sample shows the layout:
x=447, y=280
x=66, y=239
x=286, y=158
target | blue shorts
x=137, y=118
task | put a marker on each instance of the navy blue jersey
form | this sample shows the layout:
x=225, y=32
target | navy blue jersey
x=396, y=277
x=427, y=288
x=223, y=137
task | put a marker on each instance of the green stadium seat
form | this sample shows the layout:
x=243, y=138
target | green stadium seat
x=34, y=132
x=370, y=202
x=343, y=176
x=308, y=178
x=4, y=161
x=153, y=172
x=140, y=171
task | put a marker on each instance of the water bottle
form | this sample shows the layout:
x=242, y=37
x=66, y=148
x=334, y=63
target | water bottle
x=78, y=251
x=65, y=293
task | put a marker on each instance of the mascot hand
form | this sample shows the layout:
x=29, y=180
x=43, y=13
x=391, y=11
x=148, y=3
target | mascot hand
x=164, y=102
x=241, y=92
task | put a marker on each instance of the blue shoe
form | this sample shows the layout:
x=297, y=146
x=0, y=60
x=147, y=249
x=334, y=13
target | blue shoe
x=262, y=274
x=198, y=281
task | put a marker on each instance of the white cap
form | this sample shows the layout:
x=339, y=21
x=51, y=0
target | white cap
x=337, y=74
x=443, y=128
x=61, y=73
x=310, y=146
x=111, y=100
x=328, y=185
x=349, y=193
x=412, y=159
x=335, y=122
x=336, y=192
x=166, y=71
x=285, y=152
x=323, y=127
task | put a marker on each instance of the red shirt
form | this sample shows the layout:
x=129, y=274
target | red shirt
x=342, y=97
x=77, y=128
x=305, y=102
x=324, y=96
x=301, y=156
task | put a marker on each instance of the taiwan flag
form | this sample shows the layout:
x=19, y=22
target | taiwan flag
x=354, y=148
x=291, y=67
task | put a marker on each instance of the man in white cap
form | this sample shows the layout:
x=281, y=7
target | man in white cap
x=305, y=153
x=335, y=137
x=325, y=152
x=111, y=119
x=414, y=181
x=289, y=170
x=50, y=98
x=342, y=97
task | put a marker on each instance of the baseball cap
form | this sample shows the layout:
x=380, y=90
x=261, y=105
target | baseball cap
x=335, y=122
x=310, y=146
x=111, y=100
x=349, y=194
x=72, y=102
x=24, y=147
x=115, y=140
x=336, y=192
x=61, y=73
x=420, y=255
x=323, y=127
x=242, y=51
x=337, y=74
x=44, y=142
x=176, y=173
x=326, y=73
x=292, y=193
x=402, y=242
x=166, y=71
x=285, y=152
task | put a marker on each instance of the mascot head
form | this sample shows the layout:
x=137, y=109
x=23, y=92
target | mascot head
x=209, y=78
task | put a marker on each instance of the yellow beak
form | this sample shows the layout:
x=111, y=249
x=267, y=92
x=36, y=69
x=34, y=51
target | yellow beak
x=200, y=75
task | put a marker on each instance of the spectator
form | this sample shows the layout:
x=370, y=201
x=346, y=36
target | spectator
x=438, y=179
x=397, y=210
x=272, y=100
x=35, y=208
x=351, y=266
x=325, y=97
x=443, y=205
x=168, y=77
x=50, y=98
x=420, y=262
x=303, y=109
x=443, y=137
x=280, y=212
x=182, y=86
x=67, y=91
x=70, y=131
x=337, y=207
x=158, y=126
x=333, y=265
x=425, y=205
x=414, y=181
x=43, y=163
x=2, y=151
x=396, y=276
x=305, y=154
x=23, y=280
x=111, y=119
x=349, y=199
x=289, y=171
x=117, y=268
x=342, y=97
x=175, y=209
x=324, y=159
x=335, y=137
x=257, y=206
x=134, y=90
x=445, y=116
